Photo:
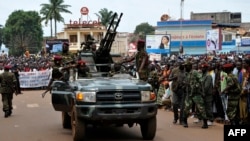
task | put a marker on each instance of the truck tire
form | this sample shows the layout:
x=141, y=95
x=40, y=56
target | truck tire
x=66, y=120
x=148, y=128
x=78, y=126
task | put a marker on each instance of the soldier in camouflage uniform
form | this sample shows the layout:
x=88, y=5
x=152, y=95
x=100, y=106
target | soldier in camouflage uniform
x=57, y=73
x=8, y=82
x=233, y=90
x=67, y=57
x=141, y=61
x=68, y=61
x=194, y=93
x=207, y=84
x=153, y=78
x=177, y=77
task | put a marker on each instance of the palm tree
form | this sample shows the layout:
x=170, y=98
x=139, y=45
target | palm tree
x=105, y=16
x=45, y=11
x=53, y=11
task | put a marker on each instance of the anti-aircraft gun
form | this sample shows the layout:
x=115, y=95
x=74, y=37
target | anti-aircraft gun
x=103, y=52
x=102, y=55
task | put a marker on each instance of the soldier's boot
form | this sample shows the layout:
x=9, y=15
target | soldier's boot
x=204, y=126
x=184, y=123
x=6, y=113
x=10, y=112
x=175, y=110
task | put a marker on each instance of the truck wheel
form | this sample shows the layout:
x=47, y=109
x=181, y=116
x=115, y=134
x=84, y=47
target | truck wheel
x=148, y=128
x=78, y=126
x=66, y=120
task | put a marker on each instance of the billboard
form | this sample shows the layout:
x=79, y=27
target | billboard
x=159, y=44
x=213, y=39
x=55, y=45
x=245, y=41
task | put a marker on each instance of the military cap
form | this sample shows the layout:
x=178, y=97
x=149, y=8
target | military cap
x=7, y=67
x=228, y=65
x=81, y=62
x=204, y=65
x=141, y=42
x=57, y=58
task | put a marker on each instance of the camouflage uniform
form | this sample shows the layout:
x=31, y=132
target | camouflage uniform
x=8, y=82
x=143, y=75
x=153, y=80
x=233, y=98
x=194, y=94
x=178, y=88
x=57, y=73
x=207, y=83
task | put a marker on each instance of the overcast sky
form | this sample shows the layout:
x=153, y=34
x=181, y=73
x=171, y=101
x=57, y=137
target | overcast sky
x=134, y=12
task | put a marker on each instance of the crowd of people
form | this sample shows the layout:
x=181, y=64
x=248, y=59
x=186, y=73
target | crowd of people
x=208, y=86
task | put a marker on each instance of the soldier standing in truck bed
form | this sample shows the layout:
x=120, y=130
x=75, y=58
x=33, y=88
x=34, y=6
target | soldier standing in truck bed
x=66, y=55
x=141, y=61
x=56, y=71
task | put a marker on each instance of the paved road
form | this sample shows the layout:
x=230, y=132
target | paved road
x=34, y=119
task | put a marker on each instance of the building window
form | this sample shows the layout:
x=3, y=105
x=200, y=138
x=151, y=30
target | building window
x=73, y=38
x=228, y=37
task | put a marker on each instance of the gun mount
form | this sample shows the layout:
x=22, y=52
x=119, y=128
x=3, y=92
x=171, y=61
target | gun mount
x=102, y=54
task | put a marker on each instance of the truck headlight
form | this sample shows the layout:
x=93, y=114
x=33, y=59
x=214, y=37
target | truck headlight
x=86, y=96
x=147, y=96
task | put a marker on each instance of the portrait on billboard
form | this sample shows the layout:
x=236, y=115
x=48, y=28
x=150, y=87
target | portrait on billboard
x=158, y=43
x=213, y=40
x=164, y=42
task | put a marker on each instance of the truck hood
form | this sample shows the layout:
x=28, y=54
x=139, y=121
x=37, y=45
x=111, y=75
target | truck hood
x=98, y=84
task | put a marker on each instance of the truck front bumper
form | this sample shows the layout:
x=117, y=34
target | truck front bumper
x=117, y=111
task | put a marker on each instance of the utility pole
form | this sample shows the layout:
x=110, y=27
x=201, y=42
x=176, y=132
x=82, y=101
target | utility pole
x=181, y=18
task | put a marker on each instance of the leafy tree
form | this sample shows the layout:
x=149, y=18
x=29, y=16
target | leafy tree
x=47, y=17
x=105, y=16
x=23, y=31
x=53, y=11
x=143, y=29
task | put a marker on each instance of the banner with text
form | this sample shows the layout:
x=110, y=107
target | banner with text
x=34, y=79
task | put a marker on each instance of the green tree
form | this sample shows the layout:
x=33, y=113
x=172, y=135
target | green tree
x=47, y=16
x=105, y=16
x=143, y=29
x=23, y=31
x=53, y=11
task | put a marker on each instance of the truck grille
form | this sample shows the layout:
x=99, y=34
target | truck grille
x=118, y=97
